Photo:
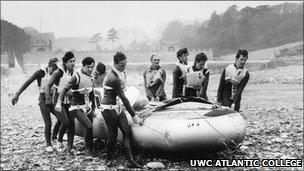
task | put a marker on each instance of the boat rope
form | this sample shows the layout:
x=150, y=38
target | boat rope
x=213, y=128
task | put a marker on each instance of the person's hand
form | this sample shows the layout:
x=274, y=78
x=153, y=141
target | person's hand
x=232, y=106
x=137, y=120
x=152, y=99
x=58, y=106
x=15, y=99
x=157, y=99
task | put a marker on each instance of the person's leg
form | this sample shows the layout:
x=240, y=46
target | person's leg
x=88, y=136
x=111, y=119
x=45, y=111
x=56, y=130
x=127, y=133
x=71, y=129
x=85, y=121
x=63, y=116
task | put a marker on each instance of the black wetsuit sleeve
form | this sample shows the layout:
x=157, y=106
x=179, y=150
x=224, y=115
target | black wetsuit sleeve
x=72, y=82
x=53, y=80
x=117, y=87
x=38, y=75
x=203, y=92
x=221, y=87
x=161, y=88
x=148, y=91
x=240, y=88
x=177, y=89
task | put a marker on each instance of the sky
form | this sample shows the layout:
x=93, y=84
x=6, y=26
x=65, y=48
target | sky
x=86, y=18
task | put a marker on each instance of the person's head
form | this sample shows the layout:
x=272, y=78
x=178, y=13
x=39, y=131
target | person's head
x=100, y=71
x=88, y=64
x=120, y=61
x=52, y=65
x=155, y=59
x=200, y=60
x=182, y=55
x=241, y=58
x=69, y=60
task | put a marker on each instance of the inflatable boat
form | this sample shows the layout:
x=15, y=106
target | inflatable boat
x=177, y=125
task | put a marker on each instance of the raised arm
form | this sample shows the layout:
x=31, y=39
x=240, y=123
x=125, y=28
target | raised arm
x=38, y=75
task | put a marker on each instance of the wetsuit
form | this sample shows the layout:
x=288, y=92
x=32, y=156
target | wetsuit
x=112, y=113
x=154, y=82
x=42, y=76
x=81, y=108
x=201, y=90
x=179, y=75
x=227, y=93
x=60, y=77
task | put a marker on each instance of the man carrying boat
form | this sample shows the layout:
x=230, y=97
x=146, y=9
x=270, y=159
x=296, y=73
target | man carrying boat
x=42, y=75
x=180, y=72
x=233, y=81
x=197, y=78
x=114, y=116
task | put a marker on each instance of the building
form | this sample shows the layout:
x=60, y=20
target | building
x=42, y=42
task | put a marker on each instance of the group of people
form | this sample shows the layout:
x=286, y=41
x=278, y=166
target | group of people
x=191, y=80
x=68, y=94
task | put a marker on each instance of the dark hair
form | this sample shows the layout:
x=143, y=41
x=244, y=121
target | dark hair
x=67, y=56
x=52, y=62
x=153, y=55
x=87, y=61
x=200, y=57
x=181, y=51
x=119, y=56
x=241, y=52
x=101, y=68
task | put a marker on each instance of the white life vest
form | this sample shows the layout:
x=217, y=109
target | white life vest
x=153, y=76
x=45, y=79
x=195, y=79
x=84, y=81
x=234, y=75
x=183, y=68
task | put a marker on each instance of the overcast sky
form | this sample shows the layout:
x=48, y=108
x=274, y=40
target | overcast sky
x=80, y=18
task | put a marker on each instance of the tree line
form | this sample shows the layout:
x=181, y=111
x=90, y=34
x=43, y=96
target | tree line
x=251, y=28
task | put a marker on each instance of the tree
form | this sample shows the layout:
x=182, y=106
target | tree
x=14, y=41
x=95, y=39
x=112, y=35
x=214, y=24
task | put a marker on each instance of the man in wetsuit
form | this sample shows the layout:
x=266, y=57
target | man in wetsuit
x=233, y=81
x=62, y=75
x=81, y=85
x=197, y=78
x=42, y=76
x=114, y=84
x=179, y=73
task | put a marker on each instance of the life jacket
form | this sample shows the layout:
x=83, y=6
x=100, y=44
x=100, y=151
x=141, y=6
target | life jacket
x=45, y=79
x=63, y=81
x=183, y=68
x=84, y=88
x=195, y=79
x=153, y=76
x=234, y=76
